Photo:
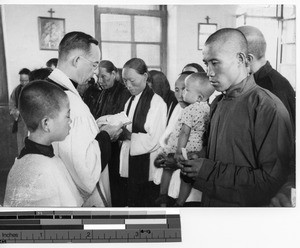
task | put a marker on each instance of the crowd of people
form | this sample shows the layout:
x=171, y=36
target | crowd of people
x=188, y=147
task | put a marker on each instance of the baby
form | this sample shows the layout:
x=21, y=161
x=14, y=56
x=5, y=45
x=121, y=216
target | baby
x=188, y=133
x=38, y=177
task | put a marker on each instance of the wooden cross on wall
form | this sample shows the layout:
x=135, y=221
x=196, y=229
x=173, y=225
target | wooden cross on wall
x=51, y=11
x=207, y=19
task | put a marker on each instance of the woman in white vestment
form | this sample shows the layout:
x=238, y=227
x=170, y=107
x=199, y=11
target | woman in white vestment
x=148, y=113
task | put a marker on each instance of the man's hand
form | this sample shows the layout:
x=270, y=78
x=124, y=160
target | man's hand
x=114, y=131
x=283, y=198
x=280, y=200
x=193, y=155
x=102, y=120
x=191, y=168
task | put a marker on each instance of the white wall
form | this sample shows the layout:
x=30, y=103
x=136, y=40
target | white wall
x=20, y=24
x=183, y=33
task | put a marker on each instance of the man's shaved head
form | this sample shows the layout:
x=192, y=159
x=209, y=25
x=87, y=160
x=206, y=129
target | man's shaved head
x=231, y=38
x=256, y=41
x=225, y=56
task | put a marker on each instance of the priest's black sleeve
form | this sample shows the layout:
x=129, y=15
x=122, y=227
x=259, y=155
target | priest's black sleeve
x=103, y=139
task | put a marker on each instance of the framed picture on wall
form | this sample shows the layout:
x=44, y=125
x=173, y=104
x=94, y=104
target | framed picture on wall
x=51, y=31
x=204, y=31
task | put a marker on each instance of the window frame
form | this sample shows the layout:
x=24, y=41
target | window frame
x=161, y=13
x=280, y=20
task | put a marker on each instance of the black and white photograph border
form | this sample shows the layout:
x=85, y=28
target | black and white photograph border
x=201, y=227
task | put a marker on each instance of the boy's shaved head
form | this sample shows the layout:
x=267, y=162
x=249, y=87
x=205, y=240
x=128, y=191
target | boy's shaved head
x=256, y=41
x=39, y=99
x=230, y=38
x=202, y=83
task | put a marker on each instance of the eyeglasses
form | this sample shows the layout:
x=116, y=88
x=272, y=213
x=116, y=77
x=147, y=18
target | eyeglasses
x=94, y=64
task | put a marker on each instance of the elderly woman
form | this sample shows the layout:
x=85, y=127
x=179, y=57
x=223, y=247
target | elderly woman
x=148, y=112
x=114, y=95
x=160, y=85
x=111, y=101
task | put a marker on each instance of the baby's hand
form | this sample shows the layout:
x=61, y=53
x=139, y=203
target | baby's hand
x=178, y=156
x=181, y=155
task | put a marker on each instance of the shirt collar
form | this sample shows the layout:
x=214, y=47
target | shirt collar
x=137, y=97
x=60, y=77
x=74, y=83
x=32, y=147
x=240, y=88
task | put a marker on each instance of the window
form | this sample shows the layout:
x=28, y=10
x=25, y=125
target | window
x=287, y=43
x=126, y=32
x=278, y=24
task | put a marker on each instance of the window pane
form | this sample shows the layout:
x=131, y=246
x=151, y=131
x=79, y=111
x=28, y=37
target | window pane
x=147, y=7
x=289, y=11
x=115, y=27
x=288, y=54
x=269, y=28
x=149, y=53
x=119, y=54
x=257, y=10
x=289, y=31
x=147, y=29
x=289, y=72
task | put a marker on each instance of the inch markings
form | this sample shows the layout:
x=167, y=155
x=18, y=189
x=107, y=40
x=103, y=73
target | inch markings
x=89, y=227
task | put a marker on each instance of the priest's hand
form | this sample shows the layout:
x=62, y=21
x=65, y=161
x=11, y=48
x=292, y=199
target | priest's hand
x=102, y=120
x=114, y=131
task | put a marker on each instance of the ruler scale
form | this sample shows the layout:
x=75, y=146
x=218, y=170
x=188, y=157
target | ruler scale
x=89, y=226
